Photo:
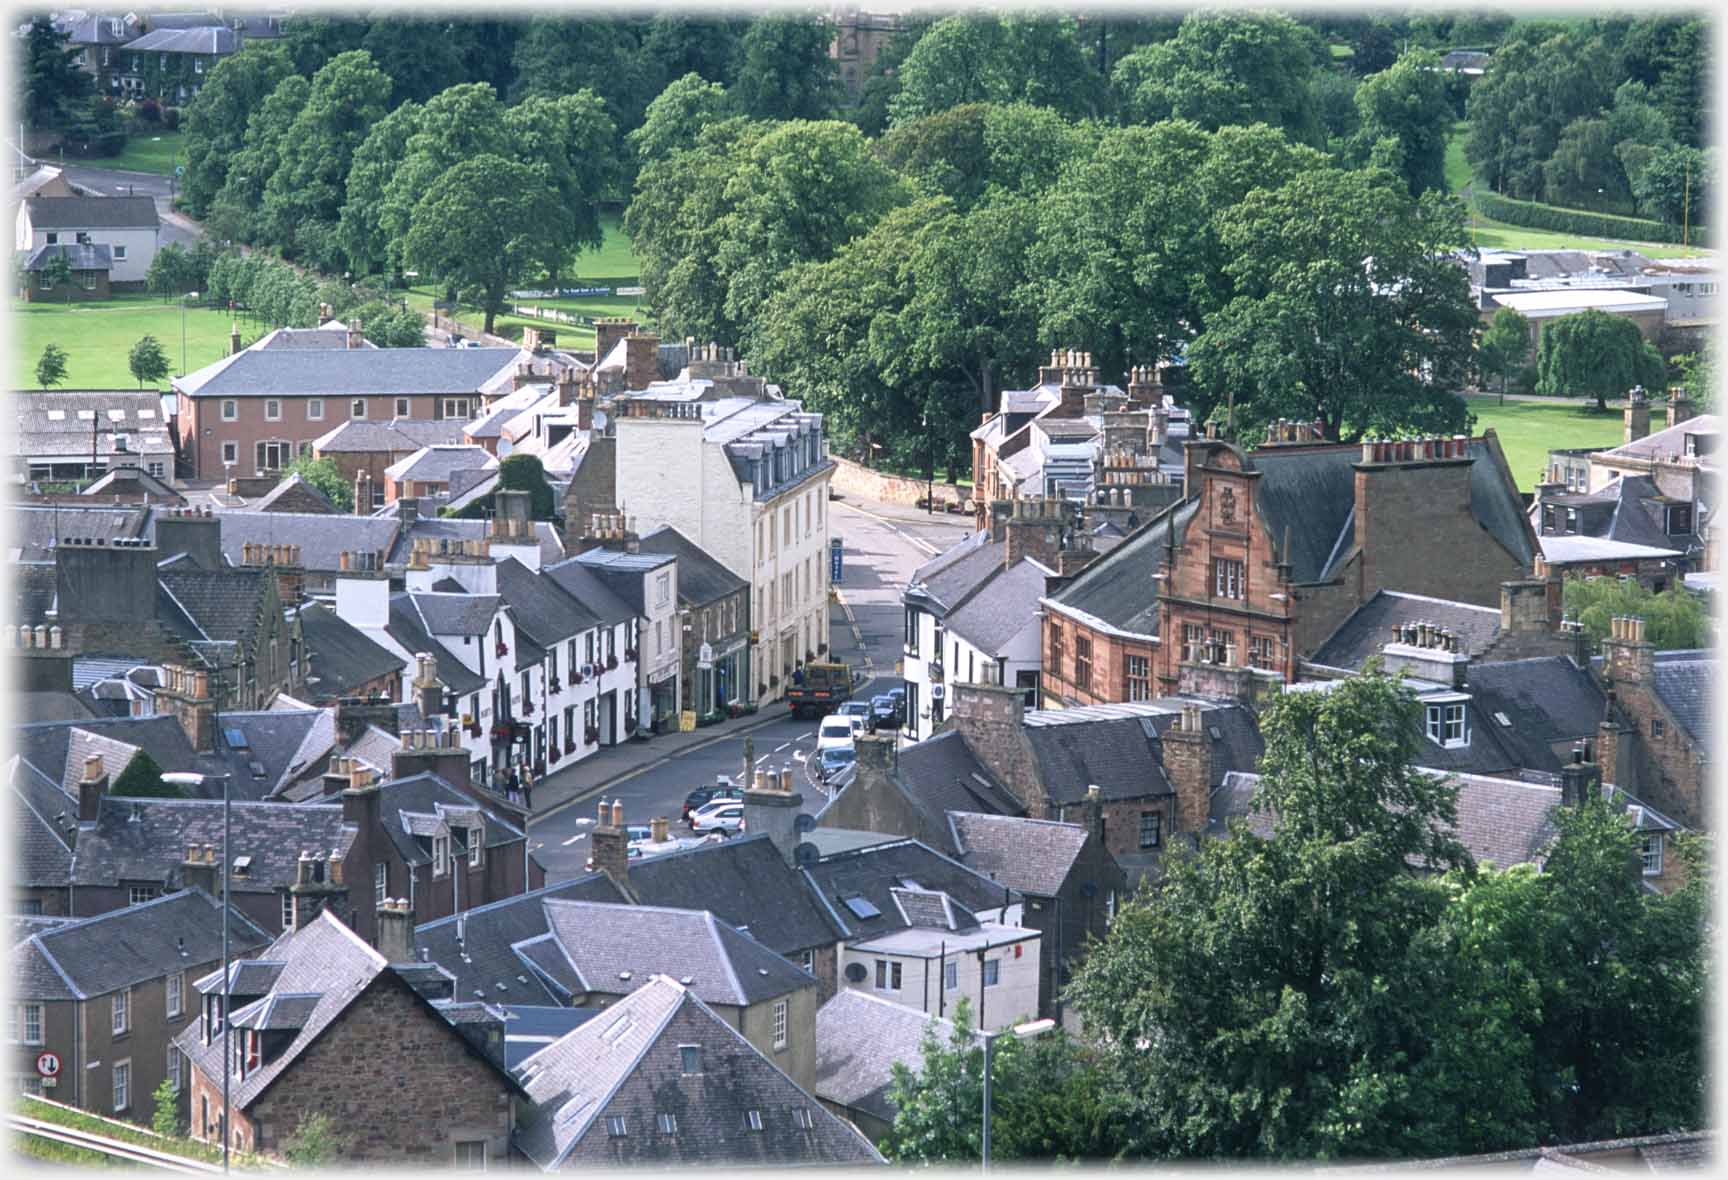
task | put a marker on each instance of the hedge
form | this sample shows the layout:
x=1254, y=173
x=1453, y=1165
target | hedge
x=1534, y=215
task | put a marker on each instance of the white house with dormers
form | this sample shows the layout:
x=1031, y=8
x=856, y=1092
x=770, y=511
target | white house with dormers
x=724, y=458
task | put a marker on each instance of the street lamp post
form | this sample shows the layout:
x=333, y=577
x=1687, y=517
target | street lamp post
x=183, y=299
x=929, y=468
x=1022, y=1032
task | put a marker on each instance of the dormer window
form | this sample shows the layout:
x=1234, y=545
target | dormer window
x=1652, y=854
x=1679, y=519
x=440, y=855
x=476, y=841
x=1446, y=724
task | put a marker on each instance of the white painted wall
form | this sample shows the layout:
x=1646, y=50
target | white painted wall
x=1013, y=998
x=140, y=244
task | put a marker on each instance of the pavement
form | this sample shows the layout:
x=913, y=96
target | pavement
x=119, y=182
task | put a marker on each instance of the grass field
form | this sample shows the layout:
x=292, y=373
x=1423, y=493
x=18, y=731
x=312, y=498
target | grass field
x=1489, y=234
x=156, y=152
x=97, y=336
x=112, y=1129
x=1528, y=430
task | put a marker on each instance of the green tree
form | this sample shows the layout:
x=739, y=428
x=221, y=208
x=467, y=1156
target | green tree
x=1585, y=171
x=326, y=477
x=214, y=127
x=483, y=226
x=1593, y=354
x=880, y=86
x=1675, y=184
x=171, y=272
x=523, y=473
x=976, y=58
x=54, y=86
x=1504, y=347
x=1226, y=68
x=783, y=70
x=1347, y=308
x=1334, y=94
x=417, y=57
x=268, y=133
x=1674, y=619
x=389, y=326
x=51, y=366
x=460, y=123
x=573, y=143
x=315, y=1143
x=1408, y=102
x=165, y=1109
x=57, y=272
x=147, y=361
x=1537, y=82
x=556, y=56
x=142, y=779
x=374, y=163
x=1267, y=1001
x=1698, y=377
x=677, y=116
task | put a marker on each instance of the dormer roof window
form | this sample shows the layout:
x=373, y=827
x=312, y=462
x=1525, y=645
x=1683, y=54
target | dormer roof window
x=1447, y=721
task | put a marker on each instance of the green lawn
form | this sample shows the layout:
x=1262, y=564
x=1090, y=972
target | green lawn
x=157, y=151
x=1528, y=430
x=1489, y=234
x=97, y=336
x=49, y=1112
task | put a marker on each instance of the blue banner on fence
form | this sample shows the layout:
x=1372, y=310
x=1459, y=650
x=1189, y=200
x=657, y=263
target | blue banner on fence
x=562, y=293
x=835, y=560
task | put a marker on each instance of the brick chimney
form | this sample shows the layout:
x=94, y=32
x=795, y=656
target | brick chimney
x=234, y=339
x=317, y=883
x=91, y=788
x=1680, y=408
x=1579, y=778
x=361, y=798
x=1144, y=389
x=434, y=751
x=1188, y=765
x=196, y=532
x=641, y=360
x=608, y=331
x=283, y=563
x=1428, y=652
x=1611, y=735
x=1637, y=415
x=187, y=695
x=611, y=844
x=1628, y=656
x=199, y=870
x=1531, y=605
x=1421, y=486
x=356, y=334
x=428, y=689
x=396, y=930
x=771, y=807
x=990, y=720
x=1095, y=813
x=1034, y=529
x=362, y=492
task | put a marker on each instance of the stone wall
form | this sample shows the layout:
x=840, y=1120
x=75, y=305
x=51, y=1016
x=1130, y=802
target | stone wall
x=853, y=479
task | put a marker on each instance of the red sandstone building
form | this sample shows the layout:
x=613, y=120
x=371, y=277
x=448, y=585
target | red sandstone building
x=1269, y=551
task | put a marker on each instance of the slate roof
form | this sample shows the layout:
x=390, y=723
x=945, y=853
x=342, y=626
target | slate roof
x=583, y=583
x=859, y=1038
x=744, y=882
x=478, y=946
x=1117, y=590
x=407, y=629
x=1032, y=856
x=37, y=527
x=44, y=850
x=701, y=579
x=623, y=572
x=429, y=798
x=66, y=213
x=952, y=577
x=340, y=657
x=455, y=614
x=82, y=256
x=211, y=42
x=1683, y=682
x=1667, y=445
x=298, y=489
x=218, y=604
x=541, y=608
x=436, y=464
x=58, y=422
x=612, y=948
x=119, y=848
x=1000, y=609
x=874, y=873
x=119, y=949
x=626, y=1064
x=1369, y=627
x=322, y=539
x=942, y=774
x=551, y=547
x=344, y=372
x=397, y=436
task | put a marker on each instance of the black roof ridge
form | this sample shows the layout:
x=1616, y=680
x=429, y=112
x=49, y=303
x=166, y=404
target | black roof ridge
x=1022, y=819
x=511, y=900
x=216, y=802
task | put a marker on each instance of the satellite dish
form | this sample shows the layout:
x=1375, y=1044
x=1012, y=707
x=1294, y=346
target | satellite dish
x=855, y=973
x=806, y=854
x=804, y=822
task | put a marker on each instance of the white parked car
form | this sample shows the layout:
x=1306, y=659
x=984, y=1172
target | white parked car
x=837, y=732
x=723, y=815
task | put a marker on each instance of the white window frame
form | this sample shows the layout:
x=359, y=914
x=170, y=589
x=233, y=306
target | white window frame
x=380, y=882
x=685, y=1060
x=803, y=1119
x=1652, y=854
x=950, y=977
x=617, y=1127
x=1446, y=721
x=992, y=972
x=122, y=1012
x=173, y=1073
x=404, y=407
x=753, y=1120
x=119, y=253
x=1227, y=578
x=357, y=408
x=176, y=994
x=476, y=842
x=230, y=410
x=230, y=453
x=668, y=1123
x=782, y=1025
x=272, y=409
x=470, y=1163
x=889, y=975
x=29, y=1014
x=287, y=910
x=123, y=1085
x=440, y=855
x=315, y=409
x=809, y=962
x=139, y=894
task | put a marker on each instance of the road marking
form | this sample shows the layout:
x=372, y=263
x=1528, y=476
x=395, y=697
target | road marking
x=585, y=820
x=762, y=759
x=918, y=541
x=804, y=737
x=799, y=756
x=781, y=746
x=573, y=839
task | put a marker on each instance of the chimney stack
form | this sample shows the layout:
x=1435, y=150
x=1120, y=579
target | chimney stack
x=91, y=788
x=198, y=870
x=234, y=339
x=356, y=337
x=641, y=360
x=608, y=331
x=771, y=806
x=1578, y=778
x=1095, y=814
x=611, y=844
x=1637, y=414
x=1680, y=407
x=396, y=931
x=1188, y=765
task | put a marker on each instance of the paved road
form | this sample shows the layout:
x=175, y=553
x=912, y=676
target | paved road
x=882, y=547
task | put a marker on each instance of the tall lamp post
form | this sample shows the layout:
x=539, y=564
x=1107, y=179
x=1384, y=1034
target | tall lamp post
x=1022, y=1032
x=183, y=299
x=929, y=467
